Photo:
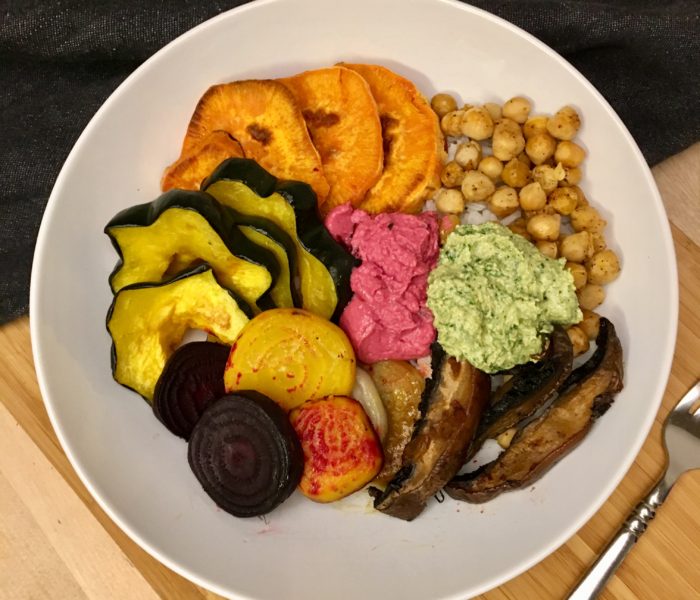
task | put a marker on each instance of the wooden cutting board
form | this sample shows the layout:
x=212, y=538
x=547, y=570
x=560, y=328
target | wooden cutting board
x=55, y=542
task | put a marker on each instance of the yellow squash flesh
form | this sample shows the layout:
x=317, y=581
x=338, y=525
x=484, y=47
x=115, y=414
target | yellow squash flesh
x=317, y=288
x=178, y=238
x=147, y=324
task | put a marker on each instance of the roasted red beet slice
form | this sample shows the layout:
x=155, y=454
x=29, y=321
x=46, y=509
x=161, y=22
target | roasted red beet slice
x=192, y=379
x=246, y=454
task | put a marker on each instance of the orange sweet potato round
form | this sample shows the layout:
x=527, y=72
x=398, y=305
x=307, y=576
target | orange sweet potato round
x=265, y=119
x=343, y=121
x=341, y=450
x=413, y=143
x=188, y=171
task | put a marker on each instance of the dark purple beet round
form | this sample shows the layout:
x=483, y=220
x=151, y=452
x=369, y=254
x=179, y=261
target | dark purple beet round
x=245, y=454
x=192, y=379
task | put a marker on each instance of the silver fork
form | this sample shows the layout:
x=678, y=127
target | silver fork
x=682, y=449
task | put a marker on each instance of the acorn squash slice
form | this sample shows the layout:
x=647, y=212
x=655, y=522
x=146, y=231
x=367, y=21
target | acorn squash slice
x=265, y=119
x=343, y=121
x=147, y=322
x=413, y=143
x=324, y=266
x=188, y=172
x=181, y=228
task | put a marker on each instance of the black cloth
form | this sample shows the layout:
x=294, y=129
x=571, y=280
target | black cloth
x=60, y=60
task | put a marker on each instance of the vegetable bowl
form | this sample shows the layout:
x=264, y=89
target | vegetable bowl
x=138, y=472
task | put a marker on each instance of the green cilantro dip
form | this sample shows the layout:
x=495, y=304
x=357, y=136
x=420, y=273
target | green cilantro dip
x=494, y=295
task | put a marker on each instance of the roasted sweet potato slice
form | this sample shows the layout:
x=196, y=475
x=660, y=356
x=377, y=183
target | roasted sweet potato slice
x=188, y=171
x=265, y=119
x=343, y=121
x=413, y=143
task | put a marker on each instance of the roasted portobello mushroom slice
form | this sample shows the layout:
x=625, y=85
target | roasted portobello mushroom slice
x=452, y=406
x=530, y=388
x=542, y=443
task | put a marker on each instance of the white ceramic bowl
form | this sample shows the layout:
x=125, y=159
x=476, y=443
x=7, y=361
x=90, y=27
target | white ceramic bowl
x=138, y=472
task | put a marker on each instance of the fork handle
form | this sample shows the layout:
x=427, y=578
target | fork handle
x=608, y=562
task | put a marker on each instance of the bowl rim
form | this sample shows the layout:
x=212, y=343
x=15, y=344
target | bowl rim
x=527, y=562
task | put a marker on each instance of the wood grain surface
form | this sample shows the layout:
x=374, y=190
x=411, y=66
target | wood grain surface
x=55, y=542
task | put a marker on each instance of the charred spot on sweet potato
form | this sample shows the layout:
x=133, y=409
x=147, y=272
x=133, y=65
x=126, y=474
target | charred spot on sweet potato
x=320, y=118
x=259, y=133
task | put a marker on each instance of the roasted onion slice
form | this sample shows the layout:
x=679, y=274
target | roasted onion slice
x=245, y=454
x=192, y=379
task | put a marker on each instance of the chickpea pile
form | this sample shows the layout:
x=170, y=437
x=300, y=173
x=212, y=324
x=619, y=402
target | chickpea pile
x=514, y=161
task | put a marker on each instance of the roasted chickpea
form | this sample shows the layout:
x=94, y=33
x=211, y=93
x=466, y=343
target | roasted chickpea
x=491, y=167
x=468, y=155
x=517, y=108
x=582, y=200
x=515, y=174
x=573, y=176
x=563, y=200
x=449, y=201
x=603, y=267
x=452, y=175
x=519, y=227
x=579, y=340
x=598, y=241
x=569, y=153
x=579, y=273
x=544, y=227
x=443, y=104
x=476, y=186
x=451, y=123
x=525, y=159
x=504, y=202
x=549, y=249
x=494, y=110
x=590, y=323
x=532, y=197
x=576, y=247
x=547, y=176
x=477, y=123
x=587, y=218
x=590, y=296
x=540, y=147
x=535, y=125
x=508, y=140
x=564, y=124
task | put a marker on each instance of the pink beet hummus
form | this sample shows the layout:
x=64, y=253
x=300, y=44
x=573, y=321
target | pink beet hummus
x=387, y=317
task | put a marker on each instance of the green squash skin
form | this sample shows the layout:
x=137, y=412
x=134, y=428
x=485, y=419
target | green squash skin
x=311, y=231
x=219, y=218
x=278, y=235
x=242, y=304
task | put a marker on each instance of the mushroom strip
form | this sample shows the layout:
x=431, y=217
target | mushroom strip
x=452, y=407
x=542, y=443
x=532, y=387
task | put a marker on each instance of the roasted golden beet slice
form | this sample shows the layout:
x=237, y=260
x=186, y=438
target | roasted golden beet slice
x=341, y=449
x=291, y=355
x=188, y=172
x=413, y=143
x=343, y=121
x=193, y=378
x=265, y=119
x=245, y=454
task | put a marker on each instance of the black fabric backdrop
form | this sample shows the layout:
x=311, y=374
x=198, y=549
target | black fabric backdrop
x=60, y=60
